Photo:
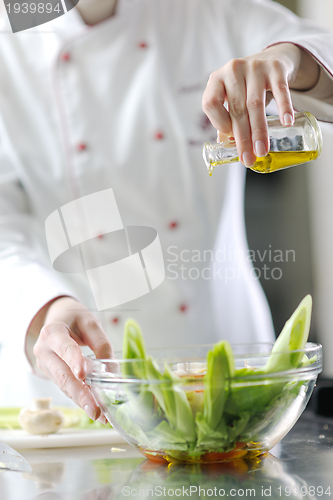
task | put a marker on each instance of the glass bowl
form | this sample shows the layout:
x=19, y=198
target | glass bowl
x=166, y=419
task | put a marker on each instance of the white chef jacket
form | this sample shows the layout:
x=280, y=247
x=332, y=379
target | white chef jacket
x=118, y=105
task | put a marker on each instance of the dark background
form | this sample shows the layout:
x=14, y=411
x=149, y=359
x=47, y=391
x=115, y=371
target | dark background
x=276, y=213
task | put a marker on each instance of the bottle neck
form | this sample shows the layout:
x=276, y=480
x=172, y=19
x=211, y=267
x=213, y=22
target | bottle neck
x=217, y=154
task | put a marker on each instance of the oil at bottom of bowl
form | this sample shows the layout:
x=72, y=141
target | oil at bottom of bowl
x=241, y=451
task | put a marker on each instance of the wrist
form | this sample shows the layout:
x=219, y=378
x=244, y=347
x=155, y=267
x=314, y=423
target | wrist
x=57, y=306
x=306, y=70
x=34, y=329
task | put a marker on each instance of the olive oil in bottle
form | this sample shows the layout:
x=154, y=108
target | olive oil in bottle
x=289, y=146
x=275, y=160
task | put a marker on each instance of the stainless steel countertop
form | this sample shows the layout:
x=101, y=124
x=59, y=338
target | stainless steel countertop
x=301, y=466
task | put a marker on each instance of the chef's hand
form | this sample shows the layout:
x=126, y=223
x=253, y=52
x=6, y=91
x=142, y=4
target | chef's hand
x=67, y=325
x=245, y=84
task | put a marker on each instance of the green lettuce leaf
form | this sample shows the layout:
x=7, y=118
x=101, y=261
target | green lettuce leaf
x=209, y=438
x=293, y=337
x=164, y=437
x=134, y=431
x=220, y=369
x=173, y=401
x=134, y=348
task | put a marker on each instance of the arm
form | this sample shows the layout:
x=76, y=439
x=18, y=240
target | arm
x=26, y=284
x=37, y=312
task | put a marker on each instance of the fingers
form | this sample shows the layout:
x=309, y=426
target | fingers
x=236, y=88
x=281, y=93
x=93, y=335
x=256, y=102
x=213, y=104
x=102, y=419
x=62, y=376
x=68, y=325
x=58, y=338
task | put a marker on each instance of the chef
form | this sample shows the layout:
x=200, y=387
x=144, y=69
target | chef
x=109, y=96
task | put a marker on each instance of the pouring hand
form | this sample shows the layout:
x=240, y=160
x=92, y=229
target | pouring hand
x=235, y=96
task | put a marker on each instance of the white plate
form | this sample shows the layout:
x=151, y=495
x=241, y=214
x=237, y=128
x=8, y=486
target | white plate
x=20, y=439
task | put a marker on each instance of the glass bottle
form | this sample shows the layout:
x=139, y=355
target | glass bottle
x=289, y=146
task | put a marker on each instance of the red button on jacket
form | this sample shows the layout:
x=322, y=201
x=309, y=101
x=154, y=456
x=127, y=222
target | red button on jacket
x=82, y=146
x=159, y=135
x=65, y=56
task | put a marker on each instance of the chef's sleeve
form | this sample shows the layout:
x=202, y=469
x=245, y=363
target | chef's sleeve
x=258, y=24
x=27, y=283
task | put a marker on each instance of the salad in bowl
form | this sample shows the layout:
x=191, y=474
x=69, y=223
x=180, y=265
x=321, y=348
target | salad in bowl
x=203, y=404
